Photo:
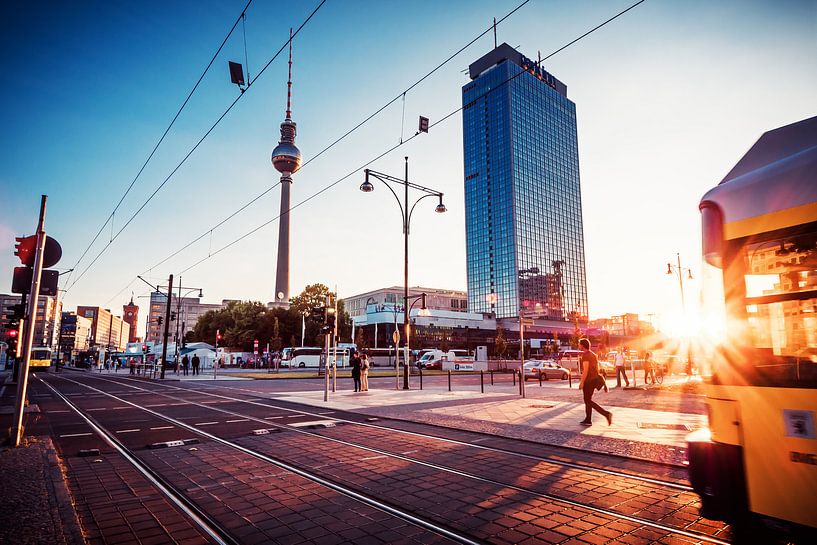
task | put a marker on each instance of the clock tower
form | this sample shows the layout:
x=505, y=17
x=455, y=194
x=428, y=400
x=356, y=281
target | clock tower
x=130, y=314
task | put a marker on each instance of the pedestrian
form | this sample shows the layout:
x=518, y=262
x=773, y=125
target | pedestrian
x=620, y=370
x=591, y=381
x=132, y=363
x=185, y=363
x=354, y=363
x=649, y=368
x=364, y=372
x=196, y=363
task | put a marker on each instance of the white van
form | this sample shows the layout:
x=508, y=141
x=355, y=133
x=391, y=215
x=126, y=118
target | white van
x=433, y=359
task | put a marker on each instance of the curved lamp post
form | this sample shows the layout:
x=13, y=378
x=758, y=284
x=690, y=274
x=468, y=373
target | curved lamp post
x=405, y=213
x=679, y=270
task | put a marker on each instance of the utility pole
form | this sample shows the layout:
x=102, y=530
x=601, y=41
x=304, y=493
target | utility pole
x=31, y=317
x=167, y=325
x=326, y=358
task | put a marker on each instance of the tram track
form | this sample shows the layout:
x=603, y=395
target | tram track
x=204, y=521
x=268, y=424
x=675, y=484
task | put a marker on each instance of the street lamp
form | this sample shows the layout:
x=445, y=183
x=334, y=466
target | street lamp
x=179, y=315
x=679, y=270
x=405, y=213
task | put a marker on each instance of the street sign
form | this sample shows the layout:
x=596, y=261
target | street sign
x=26, y=248
x=255, y=347
x=396, y=336
x=21, y=281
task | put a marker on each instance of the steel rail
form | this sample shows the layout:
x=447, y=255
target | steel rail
x=364, y=498
x=572, y=465
x=199, y=517
x=552, y=497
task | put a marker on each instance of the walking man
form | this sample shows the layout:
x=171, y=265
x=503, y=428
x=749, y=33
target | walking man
x=620, y=371
x=185, y=363
x=591, y=381
x=195, y=364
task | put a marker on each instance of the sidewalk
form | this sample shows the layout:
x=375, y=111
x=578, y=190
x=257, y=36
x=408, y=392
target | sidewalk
x=649, y=434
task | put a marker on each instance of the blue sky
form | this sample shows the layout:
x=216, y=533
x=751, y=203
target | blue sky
x=668, y=98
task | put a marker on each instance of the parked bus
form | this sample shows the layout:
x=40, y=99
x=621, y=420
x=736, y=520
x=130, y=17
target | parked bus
x=756, y=465
x=40, y=359
x=312, y=356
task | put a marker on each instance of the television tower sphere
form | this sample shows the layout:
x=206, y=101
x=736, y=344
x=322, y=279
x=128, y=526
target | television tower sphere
x=286, y=157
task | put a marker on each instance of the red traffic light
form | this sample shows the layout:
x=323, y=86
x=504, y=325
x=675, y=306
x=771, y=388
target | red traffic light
x=12, y=333
x=26, y=247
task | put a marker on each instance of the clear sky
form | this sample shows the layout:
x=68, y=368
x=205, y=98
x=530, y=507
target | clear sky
x=669, y=96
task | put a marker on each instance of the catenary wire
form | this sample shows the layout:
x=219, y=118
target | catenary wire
x=193, y=149
x=338, y=140
x=406, y=141
x=110, y=218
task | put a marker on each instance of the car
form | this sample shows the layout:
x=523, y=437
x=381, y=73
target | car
x=607, y=368
x=547, y=369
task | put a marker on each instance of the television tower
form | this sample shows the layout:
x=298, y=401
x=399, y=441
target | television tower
x=286, y=158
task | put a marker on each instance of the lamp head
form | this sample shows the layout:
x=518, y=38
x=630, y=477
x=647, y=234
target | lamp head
x=689, y=277
x=201, y=294
x=366, y=186
x=669, y=268
x=440, y=207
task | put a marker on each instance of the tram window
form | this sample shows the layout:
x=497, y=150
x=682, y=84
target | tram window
x=781, y=305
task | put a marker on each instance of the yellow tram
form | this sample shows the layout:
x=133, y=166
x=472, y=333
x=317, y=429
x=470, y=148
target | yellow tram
x=40, y=359
x=756, y=465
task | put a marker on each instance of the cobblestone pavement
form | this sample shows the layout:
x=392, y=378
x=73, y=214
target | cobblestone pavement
x=36, y=506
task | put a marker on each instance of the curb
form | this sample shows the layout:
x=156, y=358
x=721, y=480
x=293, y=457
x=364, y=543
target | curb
x=65, y=502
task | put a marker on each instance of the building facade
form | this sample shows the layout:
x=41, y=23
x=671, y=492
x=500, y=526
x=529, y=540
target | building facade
x=185, y=312
x=392, y=299
x=47, y=325
x=107, y=331
x=75, y=336
x=524, y=233
x=130, y=313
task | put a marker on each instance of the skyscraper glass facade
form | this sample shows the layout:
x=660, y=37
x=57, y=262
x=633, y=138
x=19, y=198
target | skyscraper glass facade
x=525, y=241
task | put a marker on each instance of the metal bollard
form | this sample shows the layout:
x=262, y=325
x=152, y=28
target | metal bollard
x=540, y=379
x=421, y=378
x=449, y=380
x=492, y=377
x=482, y=382
x=514, y=377
x=521, y=386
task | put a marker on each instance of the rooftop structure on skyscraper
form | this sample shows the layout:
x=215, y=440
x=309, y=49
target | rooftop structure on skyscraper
x=524, y=233
x=286, y=158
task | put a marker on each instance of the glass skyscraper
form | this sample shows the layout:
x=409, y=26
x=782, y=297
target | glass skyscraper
x=523, y=219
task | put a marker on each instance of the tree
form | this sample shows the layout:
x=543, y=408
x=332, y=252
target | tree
x=500, y=344
x=360, y=340
x=275, y=341
x=313, y=295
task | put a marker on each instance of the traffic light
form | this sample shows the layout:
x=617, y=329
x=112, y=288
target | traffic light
x=319, y=313
x=423, y=124
x=329, y=320
x=172, y=316
x=24, y=249
x=17, y=312
x=159, y=320
x=13, y=335
x=219, y=336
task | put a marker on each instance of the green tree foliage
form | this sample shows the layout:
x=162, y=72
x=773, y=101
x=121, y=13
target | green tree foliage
x=242, y=322
x=500, y=344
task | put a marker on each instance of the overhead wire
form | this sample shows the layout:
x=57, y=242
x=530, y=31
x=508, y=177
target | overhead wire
x=346, y=134
x=393, y=148
x=193, y=149
x=110, y=218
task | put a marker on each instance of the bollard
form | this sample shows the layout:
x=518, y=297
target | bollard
x=540, y=379
x=449, y=380
x=421, y=378
x=521, y=386
x=492, y=377
x=514, y=377
x=482, y=382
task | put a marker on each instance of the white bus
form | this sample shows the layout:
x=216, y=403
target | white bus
x=312, y=356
